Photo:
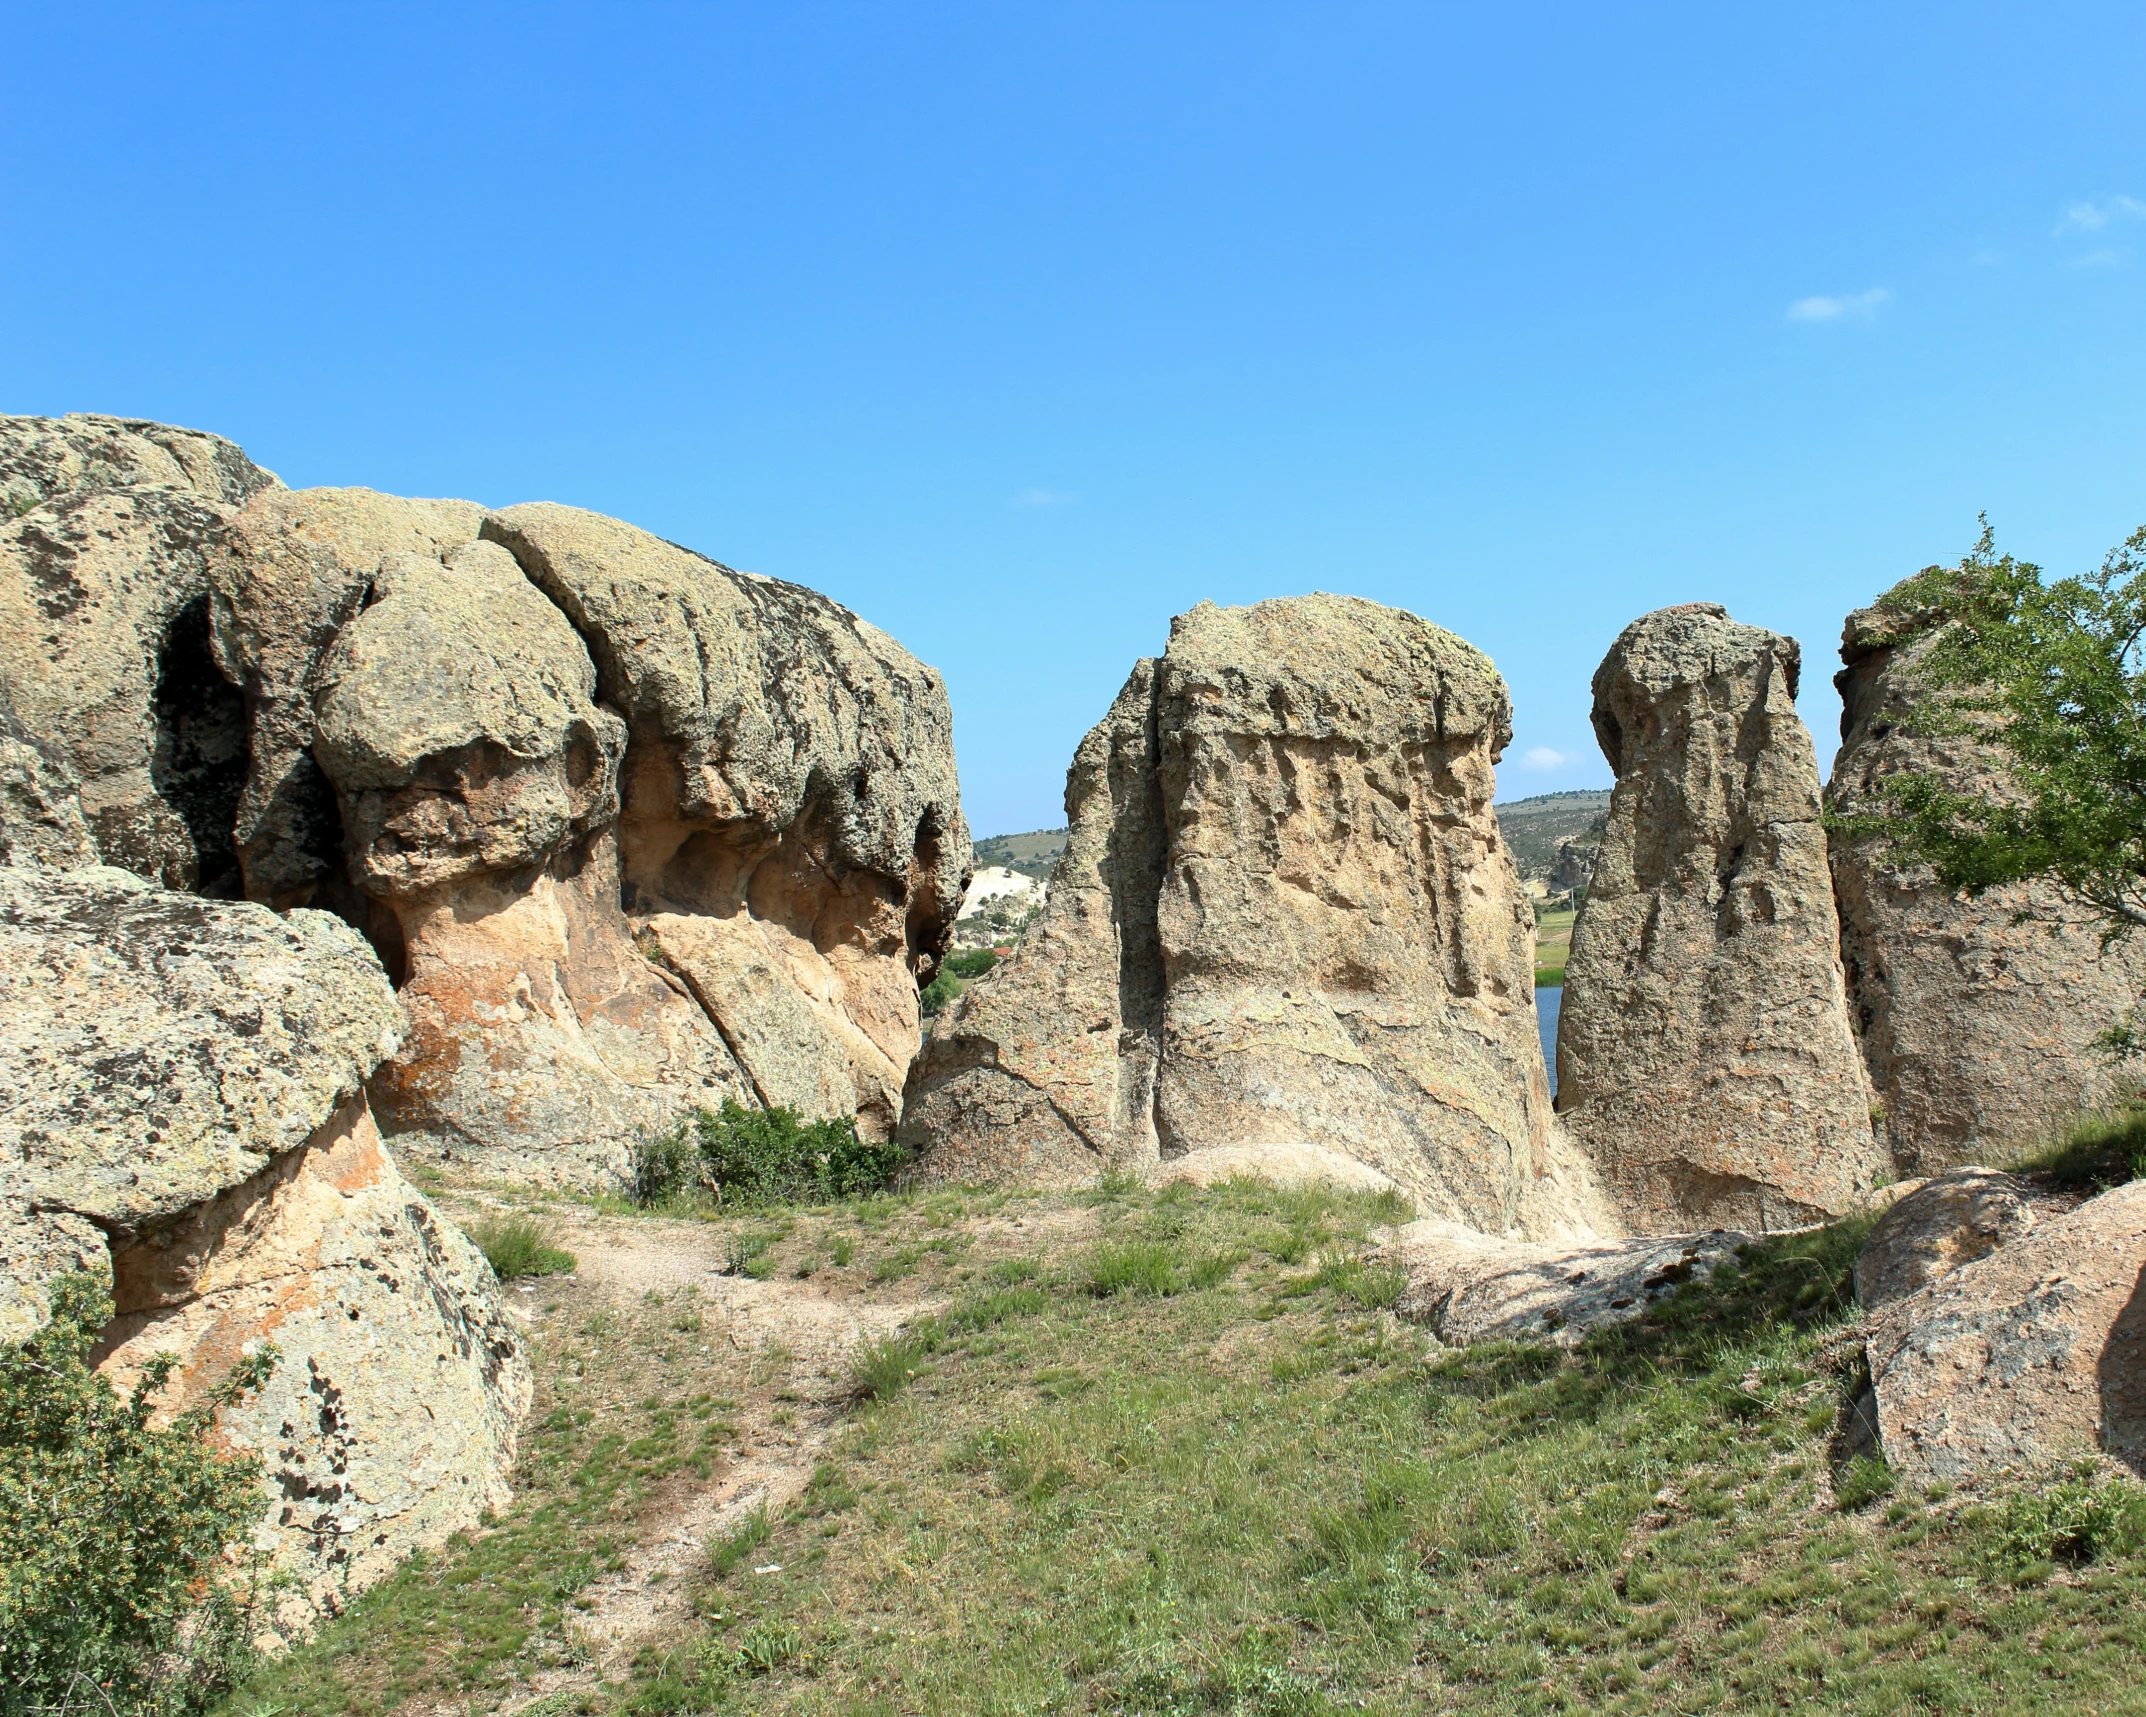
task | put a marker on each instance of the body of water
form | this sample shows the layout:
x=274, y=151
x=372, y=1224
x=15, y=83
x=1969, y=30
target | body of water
x=1547, y=997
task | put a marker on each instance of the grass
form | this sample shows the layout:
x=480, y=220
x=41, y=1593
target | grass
x=517, y=1246
x=1090, y=1485
x=1553, y=942
x=2098, y=1152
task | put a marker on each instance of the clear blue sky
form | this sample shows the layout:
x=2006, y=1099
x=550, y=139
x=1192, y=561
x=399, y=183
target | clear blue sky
x=1020, y=328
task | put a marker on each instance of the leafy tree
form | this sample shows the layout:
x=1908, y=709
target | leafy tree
x=2051, y=673
x=762, y=1156
x=122, y=1584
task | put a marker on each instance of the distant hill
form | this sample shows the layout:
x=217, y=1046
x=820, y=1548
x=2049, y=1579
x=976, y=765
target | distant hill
x=1033, y=854
x=1535, y=828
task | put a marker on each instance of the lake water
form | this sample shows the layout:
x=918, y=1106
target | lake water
x=1547, y=997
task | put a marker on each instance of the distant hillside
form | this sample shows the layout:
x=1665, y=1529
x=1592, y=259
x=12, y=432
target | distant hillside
x=1535, y=828
x=1033, y=854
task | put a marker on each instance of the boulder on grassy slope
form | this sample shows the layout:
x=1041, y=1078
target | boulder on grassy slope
x=2028, y=1357
x=1978, y=1014
x=1470, y=1287
x=1284, y=916
x=1704, y=1057
x=1937, y=1226
x=183, y=1110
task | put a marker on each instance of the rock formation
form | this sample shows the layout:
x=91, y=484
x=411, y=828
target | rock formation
x=1704, y=1057
x=631, y=831
x=1935, y=1227
x=1284, y=915
x=1470, y=1287
x=2028, y=1357
x=183, y=1111
x=1978, y=1014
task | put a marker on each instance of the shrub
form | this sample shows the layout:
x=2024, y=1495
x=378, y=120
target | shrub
x=884, y=1367
x=114, y=1591
x=760, y=1156
x=1135, y=1267
x=970, y=962
x=520, y=1246
x=2074, y=1520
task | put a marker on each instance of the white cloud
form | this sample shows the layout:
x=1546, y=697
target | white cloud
x=1044, y=498
x=2106, y=257
x=1849, y=307
x=1540, y=757
x=2091, y=217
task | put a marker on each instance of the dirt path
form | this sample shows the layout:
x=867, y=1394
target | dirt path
x=793, y=1340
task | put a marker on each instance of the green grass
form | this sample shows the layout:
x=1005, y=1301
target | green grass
x=2100, y=1151
x=518, y=1246
x=1086, y=1487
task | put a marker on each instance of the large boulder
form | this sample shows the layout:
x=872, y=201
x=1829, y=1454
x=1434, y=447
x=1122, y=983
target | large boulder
x=1935, y=1227
x=1978, y=1014
x=790, y=838
x=419, y=716
x=2025, y=1358
x=1704, y=1057
x=112, y=538
x=1284, y=916
x=183, y=1110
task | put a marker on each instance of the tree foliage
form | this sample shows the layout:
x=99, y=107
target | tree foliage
x=761, y=1156
x=124, y=1585
x=2052, y=674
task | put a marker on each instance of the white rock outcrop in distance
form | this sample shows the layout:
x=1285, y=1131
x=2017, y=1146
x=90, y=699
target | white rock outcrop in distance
x=1704, y=1057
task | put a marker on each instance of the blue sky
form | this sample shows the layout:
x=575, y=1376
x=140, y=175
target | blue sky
x=1020, y=328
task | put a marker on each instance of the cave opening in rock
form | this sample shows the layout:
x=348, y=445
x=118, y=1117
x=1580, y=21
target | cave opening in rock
x=199, y=764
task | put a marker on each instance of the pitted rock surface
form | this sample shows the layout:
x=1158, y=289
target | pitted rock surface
x=1947, y=1221
x=419, y=717
x=1469, y=1287
x=2029, y=1357
x=1704, y=1056
x=1978, y=1014
x=1284, y=915
x=182, y=1109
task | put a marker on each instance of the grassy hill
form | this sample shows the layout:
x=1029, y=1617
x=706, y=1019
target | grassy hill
x=1168, y=1452
x=1033, y=854
x=1535, y=828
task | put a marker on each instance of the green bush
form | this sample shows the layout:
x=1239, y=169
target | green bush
x=938, y=995
x=760, y=1156
x=114, y=1591
x=970, y=962
x=520, y=1246
x=2074, y=1520
x=883, y=1368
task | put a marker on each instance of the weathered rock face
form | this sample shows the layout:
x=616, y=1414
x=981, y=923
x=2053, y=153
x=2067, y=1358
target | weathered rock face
x=1978, y=1015
x=420, y=716
x=1471, y=1287
x=114, y=534
x=182, y=1107
x=1284, y=915
x=1704, y=1057
x=790, y=840
x=2030, y=1356
x=1932, y=1230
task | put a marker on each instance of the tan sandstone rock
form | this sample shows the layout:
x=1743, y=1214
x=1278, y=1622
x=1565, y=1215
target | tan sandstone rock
x=790, y=839
x=1977, y=1014
x=1947, y=1221
x=1284, y=916
x=2028, y=1357
x=182, y=1108
x=1704, y=1057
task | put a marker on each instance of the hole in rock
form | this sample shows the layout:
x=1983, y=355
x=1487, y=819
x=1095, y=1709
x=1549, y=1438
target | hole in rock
x=199, y=764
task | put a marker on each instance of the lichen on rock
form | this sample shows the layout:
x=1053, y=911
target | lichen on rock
x=1284, y=916
x=1704, y=1056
